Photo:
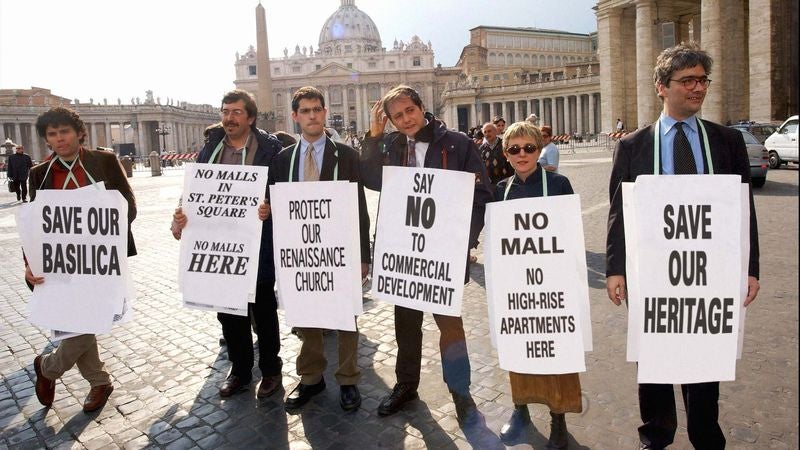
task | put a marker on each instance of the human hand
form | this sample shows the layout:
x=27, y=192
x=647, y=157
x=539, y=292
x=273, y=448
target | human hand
x=752, y=290
x=179, y=220
x=615, y=287
x=364, y=270
x=378, y=119
x=30, y=278
x=264, y=210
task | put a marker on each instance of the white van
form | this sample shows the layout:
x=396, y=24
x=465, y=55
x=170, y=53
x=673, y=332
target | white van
x=782, y=145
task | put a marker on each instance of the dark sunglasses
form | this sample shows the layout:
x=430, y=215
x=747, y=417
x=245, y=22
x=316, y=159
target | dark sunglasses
x=515, y=149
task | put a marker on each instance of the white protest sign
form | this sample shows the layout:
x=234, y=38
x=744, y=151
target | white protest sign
x=689, y=272
x=635, y=308
x=422, y=238
x=220, y=245
x=78, y=241
x=317, y=253
x=536, y=284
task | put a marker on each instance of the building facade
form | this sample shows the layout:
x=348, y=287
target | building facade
x=147, y=124
x=514, y=72
x=349, y=65
x=753, y=43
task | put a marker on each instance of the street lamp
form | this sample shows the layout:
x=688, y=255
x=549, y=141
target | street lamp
x=163, y=131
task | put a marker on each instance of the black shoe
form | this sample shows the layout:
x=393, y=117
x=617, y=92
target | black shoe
x=232, y=385
x=520, y=419
x=402, y=393
x=349, y=397
x=466, y=411
x=302, y=393
x=558, y=432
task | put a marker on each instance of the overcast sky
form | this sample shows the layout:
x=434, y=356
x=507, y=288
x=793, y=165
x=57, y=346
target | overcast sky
x=185, y=49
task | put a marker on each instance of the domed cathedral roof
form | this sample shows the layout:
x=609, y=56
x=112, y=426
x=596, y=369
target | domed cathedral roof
x=349, y=26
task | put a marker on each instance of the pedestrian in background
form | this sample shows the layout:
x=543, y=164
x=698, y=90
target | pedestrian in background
x=19, y=164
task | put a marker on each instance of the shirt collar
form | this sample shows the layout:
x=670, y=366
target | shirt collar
x=669, y=122
x=317, y=146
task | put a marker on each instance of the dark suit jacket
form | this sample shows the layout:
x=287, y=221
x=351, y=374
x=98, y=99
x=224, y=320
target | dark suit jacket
x=634, y=157
x=102, y=166
x=349, y=169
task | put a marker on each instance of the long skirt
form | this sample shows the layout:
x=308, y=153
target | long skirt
x=561, y=393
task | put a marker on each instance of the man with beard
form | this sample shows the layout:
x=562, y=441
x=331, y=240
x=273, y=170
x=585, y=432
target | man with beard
x=236, y=140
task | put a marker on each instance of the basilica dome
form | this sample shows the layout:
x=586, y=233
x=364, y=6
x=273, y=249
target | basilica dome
x=349, y=27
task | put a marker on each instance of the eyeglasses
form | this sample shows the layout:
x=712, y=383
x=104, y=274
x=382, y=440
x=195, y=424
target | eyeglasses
x=316, y=110
x=691, y=82
x=231, y=112
x=515, y=149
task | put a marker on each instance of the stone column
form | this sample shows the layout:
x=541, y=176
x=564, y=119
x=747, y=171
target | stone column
x=17, y=135
x=473, y=120
x=516, y=117
x=593, y=125
x=579, y=113
x=645, y=60
x=715, y=37
x=93, y=134
x=346, y=103
x=567, y=115
x=359, y=113
x=142, y=149
x=553, y=115
x=609, y=38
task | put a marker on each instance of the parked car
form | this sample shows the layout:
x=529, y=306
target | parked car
x=782, y=145
x=759, y=159
x=760, y=130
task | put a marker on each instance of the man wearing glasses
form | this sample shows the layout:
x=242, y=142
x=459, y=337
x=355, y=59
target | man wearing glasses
x=236, y=140
x=316, y=157
x=681, y=80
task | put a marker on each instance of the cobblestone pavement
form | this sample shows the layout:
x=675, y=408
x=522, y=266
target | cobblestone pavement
x=167, y=364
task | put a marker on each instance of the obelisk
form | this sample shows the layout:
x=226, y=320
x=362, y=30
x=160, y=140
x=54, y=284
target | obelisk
x=264, y=95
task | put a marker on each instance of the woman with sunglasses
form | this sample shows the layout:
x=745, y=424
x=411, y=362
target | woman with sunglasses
x=522, y=146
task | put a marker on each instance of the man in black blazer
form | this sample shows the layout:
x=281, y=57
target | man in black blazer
x=681, y=80
x=317, y=158
x=236, y=140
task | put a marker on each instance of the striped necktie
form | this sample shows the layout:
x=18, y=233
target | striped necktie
x=412, y=154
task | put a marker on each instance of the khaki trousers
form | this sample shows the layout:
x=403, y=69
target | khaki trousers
x=311, y=362
x=81, y=351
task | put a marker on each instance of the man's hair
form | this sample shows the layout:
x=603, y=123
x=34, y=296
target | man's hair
x=546, y=129
x=399, y=92
x=490, y=125
x=679, y=57
x=533, y=118
x=522, y=129
x=307, y=93
x=248, y=99
x=57, y=116
x=498, y=119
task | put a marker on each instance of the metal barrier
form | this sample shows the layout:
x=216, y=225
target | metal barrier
x=142, y=163
x=571, y=144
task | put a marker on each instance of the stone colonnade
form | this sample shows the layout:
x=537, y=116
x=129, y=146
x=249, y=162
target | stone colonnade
x=109, y=125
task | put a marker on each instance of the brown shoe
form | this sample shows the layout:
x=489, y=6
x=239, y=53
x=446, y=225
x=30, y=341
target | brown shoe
x=97, y=397
x=269, y=385
x=45, y=387
x=232, y=385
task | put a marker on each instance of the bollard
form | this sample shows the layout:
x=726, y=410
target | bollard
x=155, y=164
x=127, y=164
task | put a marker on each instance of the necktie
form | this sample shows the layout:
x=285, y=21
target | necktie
x=412, y=154
x=682, y=155
x=310, y=171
